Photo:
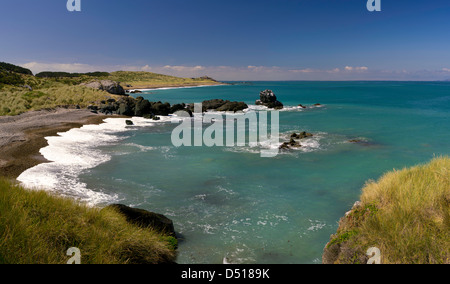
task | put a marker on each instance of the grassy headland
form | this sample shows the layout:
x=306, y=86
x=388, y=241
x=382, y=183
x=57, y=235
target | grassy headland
x=37, y=228
x=406, y=214
x=148, y=80
x=21, y=91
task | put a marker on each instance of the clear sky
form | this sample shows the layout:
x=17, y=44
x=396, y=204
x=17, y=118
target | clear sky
x=232, y=39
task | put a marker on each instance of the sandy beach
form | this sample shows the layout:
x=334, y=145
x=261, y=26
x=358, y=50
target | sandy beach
x=22, y=136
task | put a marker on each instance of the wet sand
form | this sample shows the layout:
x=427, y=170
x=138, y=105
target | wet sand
x=22, y=136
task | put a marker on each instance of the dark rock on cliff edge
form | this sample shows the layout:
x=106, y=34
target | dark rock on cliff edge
x=146, y=219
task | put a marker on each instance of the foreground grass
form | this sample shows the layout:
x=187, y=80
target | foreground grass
x=406, y=214
x=36, y=228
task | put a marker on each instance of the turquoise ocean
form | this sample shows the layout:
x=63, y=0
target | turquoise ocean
x=229, y=202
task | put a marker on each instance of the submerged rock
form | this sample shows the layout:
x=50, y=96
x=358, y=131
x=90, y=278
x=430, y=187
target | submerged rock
x=289, y=145
x=292, y=144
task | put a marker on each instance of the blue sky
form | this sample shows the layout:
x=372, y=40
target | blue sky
x=232, y=40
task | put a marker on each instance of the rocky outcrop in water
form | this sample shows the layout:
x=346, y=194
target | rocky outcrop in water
x=268, y=99
x=222, y=105
x=293, y=143
x=302, y=135
x=141, y=107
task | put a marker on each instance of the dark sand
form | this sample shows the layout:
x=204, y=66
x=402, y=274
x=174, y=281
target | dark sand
x=22, y=136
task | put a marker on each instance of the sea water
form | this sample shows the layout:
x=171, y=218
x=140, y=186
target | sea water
x=229, y=202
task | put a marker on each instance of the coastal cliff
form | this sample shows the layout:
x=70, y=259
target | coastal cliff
x=405, y=215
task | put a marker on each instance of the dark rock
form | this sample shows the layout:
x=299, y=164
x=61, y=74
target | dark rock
x=93, y=107
x=142, y=107
x=126, y=106
x=302, y=106
x=161, y=109
x=146, y=219
x=129, y=122
x=233, y=106
x=268, y=99
x=289, y=145
x=213, y=104
x=177, y=107
x=108, y=108
x=302, y=135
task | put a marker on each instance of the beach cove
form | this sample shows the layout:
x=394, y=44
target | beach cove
x=280, y=210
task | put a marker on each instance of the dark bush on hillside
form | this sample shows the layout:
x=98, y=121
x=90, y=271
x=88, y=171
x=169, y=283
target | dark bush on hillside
x=70, y=75
x=9, y=78
x=13, y=68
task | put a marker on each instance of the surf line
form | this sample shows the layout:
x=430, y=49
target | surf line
x=257, y=131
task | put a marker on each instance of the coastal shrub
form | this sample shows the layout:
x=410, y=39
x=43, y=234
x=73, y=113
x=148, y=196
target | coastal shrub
x=38, y=228
x=9, y=78
x=14, y=68
x=70, y=75
x=406, y=214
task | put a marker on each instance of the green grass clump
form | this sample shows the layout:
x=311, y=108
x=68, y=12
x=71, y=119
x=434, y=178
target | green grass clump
x=37, y=228
x=406, y=214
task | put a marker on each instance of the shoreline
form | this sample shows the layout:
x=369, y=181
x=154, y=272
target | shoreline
x=130, y=90
x=23, y=136
x=164, y=86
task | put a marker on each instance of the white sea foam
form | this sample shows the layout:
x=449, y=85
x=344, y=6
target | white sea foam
x=285, y=108
x=75, y=151
x=172, y=88
x=311, y=144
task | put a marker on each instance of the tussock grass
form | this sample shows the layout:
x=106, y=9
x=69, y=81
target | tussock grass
x=406, y=214
x=15, y=101
x=37, y=228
